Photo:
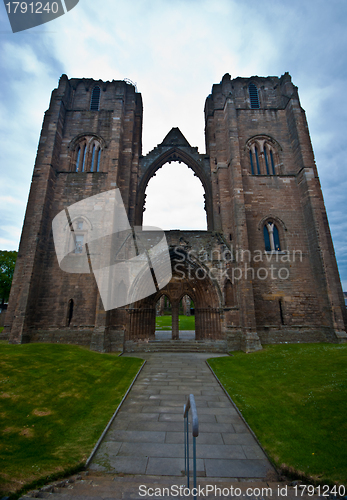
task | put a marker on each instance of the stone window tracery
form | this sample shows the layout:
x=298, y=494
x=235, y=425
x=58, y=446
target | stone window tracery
x=263, y=155
x=87, y=155
x=84, y=158
x=257, y=159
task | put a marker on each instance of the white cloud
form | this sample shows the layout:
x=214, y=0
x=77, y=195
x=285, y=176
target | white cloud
x=7, y=244
x=10, y=237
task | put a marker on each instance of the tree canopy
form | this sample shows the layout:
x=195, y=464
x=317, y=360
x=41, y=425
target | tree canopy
x=7, y=263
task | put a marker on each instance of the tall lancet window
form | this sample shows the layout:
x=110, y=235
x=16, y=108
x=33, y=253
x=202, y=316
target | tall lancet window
x=93, y=159
x=98, y=160
x=253, y=95
x=78, y=159
x=252, y=164
x=95, y=100
x=271, y=237
x=257, y=159
x=266, y=160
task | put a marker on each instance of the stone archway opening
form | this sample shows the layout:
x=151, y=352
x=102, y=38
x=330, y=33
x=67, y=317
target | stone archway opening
x=175, y=199
x=163, y=318
x=186, y=321
x=189, y=278
x=174, y=148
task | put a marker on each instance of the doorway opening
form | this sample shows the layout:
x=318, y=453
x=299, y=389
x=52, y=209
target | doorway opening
x=186, y=318
x=163, y=319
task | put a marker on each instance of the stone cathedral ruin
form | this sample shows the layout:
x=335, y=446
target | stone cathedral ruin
x=263, y=272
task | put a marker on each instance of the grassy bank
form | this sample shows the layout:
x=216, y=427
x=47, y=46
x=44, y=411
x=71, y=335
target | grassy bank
x=294, y=398
x=55, y=401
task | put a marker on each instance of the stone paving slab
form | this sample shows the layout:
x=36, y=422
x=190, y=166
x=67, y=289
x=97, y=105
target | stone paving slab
x=134, y=416
x=176, y=417
x=204, y=438
x=252, y=451
x=176, y=427
x=123, y=464
x=236, y=468
x=165, y=450
x=147, y=435
x=137, y=436
x=216, y=427
x=172, y=466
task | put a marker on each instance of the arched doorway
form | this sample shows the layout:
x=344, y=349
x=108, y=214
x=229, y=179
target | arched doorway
x=163, y=319
x=189, y=278
x=186, y=322
x=186, y=318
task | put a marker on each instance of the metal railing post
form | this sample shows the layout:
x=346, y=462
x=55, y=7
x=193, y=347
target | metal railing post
x=185, y=443
x=187, y=437
x=194, y=462
x=195, y=432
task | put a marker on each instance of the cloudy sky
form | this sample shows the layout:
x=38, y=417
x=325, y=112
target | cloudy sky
x=175, y=50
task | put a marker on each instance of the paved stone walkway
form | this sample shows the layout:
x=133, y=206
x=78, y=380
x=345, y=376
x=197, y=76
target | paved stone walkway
x=147, y=435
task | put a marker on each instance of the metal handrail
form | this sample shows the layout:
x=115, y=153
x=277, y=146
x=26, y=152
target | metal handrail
x=195, y=432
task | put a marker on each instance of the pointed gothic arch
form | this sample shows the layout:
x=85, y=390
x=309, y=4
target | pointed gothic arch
x=175, y=199
x=174, y=148
x=189, y=277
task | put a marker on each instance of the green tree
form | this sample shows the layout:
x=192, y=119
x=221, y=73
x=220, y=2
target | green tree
x=7, y=263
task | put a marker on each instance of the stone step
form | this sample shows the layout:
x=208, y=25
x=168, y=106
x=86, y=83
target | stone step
x=217, y=346
x=178, y=342
x=109, y=486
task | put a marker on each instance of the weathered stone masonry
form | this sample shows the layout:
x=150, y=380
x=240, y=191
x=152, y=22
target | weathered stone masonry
x=264, y=271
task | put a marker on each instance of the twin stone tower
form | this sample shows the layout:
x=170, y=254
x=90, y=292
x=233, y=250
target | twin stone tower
x=264, y=271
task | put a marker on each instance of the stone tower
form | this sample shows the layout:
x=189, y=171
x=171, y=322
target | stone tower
x=263, y=272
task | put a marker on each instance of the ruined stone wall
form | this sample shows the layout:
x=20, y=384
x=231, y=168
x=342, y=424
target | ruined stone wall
x=294, y=294
x=291, y=278
x=258, y=171
x=41, y=290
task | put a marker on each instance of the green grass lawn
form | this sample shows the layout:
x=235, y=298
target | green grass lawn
x=294, y=397
x=55, y=401
x=185, y=322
